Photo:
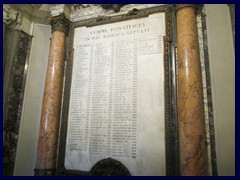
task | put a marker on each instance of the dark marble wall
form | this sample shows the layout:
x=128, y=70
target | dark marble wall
x=16, y=51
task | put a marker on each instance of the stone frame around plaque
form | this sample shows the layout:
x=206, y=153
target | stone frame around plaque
x=170, y=135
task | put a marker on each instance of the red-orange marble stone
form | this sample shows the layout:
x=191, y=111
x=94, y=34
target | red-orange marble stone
x=192, y=143
x=50, y=117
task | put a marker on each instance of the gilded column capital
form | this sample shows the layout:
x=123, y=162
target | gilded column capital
x=59, y=23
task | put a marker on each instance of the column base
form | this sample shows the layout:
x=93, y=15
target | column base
x=44, y=172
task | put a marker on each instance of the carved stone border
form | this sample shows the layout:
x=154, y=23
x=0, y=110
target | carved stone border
x=134, y=14
x=209, y=98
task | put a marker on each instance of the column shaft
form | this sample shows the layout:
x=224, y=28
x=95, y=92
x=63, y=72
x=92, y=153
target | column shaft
x=192, y=144
x=51, y=108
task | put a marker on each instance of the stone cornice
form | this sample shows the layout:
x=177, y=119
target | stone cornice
x=88, y=11
x=59, y=9
x=15, y=15
x=40, y=16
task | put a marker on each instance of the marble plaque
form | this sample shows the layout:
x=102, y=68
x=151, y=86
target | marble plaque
x=117, y=96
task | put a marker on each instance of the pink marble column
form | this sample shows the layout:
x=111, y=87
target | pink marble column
x=192, y=137
x=51, y=107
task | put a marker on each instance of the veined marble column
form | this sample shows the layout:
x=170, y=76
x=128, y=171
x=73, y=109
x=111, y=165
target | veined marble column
x=51, y=108
x=192, y=144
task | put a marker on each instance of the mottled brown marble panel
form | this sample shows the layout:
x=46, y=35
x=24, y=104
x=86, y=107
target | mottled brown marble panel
x=192, y=140
x=48, y=135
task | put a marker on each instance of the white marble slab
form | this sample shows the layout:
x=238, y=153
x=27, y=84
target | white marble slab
x=117, y=96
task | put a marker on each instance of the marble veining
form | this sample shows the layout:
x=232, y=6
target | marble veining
x=205, y=93
x=193, y=153
x=15, y=100
x=48, y=137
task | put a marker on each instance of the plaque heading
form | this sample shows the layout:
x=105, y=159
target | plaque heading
x=117, y=31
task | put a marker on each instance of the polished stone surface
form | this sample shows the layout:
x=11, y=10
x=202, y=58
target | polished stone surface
x=192, y=137
x=48, y=135
x=52, y=98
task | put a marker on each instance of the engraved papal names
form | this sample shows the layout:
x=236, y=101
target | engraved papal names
x=117, y=96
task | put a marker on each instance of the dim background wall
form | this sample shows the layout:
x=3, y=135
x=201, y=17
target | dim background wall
x=222, y=68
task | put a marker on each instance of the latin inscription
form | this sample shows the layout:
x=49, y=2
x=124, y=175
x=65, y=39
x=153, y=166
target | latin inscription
x=117, y=96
